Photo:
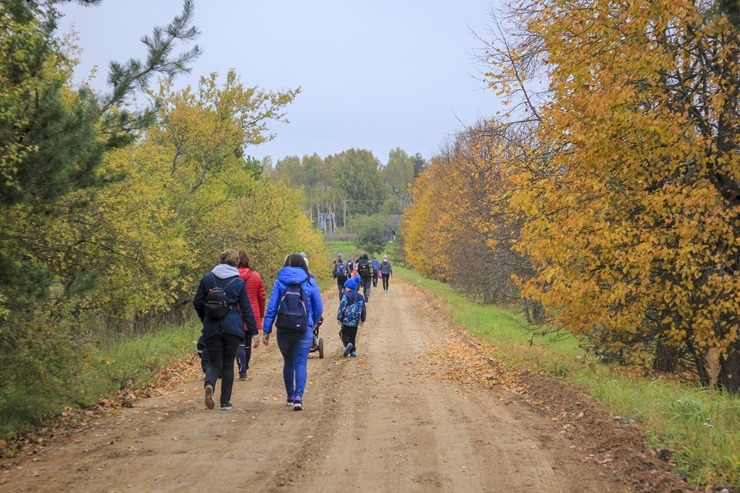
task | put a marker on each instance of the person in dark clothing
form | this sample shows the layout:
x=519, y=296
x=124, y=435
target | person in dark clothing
x=341, y=273
x=365, y=271
x=222, y=336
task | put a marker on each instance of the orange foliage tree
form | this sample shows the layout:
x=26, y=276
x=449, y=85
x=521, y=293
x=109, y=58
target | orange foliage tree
x=459, y=228
x=632, y=219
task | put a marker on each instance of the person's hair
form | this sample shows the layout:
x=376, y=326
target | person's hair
x=243, y=259
x=230, y=257
x=296, y=260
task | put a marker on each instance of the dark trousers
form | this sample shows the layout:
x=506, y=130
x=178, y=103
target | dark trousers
x=366, y=282
x=221, y=353
x=385, y=281
x=243, y=355
x=349, y=334
x=340, y=286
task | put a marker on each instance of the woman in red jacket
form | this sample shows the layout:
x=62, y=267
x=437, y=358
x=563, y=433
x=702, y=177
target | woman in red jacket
x=256, y=295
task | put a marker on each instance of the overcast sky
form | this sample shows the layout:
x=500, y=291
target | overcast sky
x=374, y=74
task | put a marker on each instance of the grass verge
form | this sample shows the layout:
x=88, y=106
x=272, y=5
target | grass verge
x=97, y=374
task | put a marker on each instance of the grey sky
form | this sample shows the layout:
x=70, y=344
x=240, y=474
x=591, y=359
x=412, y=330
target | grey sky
x=375, y=74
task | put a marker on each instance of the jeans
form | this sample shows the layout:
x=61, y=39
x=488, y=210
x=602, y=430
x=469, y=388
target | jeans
x=221, y=353
x=295, y=347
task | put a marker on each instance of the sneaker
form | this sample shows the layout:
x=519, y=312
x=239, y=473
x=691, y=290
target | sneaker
x=289, y=402
x=353, y=354
x=297, y=406
x=210, y=403
x=347, y=349
x=226, y=407
x=243, y=376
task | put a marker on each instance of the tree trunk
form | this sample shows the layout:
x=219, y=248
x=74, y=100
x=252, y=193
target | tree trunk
x=729, y=370
x=666, y=358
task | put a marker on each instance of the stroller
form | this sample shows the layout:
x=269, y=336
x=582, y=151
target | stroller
x=318, y=342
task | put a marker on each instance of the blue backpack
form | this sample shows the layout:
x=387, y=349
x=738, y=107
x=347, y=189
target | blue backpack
x=352, y=314
x=341, y=270
x=292, y=312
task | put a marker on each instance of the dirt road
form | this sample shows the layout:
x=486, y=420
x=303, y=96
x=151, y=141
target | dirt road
x=394, y=419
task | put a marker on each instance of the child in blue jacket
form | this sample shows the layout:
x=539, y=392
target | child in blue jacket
x=351, y=315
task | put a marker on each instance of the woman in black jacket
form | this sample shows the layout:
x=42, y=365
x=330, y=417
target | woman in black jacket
x=222, y=336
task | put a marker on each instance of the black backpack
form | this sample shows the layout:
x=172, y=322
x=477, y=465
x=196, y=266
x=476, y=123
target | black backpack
x=363, y=268
x=292, y=312
x=216, y=306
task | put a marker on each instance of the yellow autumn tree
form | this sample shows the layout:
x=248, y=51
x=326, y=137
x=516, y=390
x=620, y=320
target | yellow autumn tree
x=632, y=218
x=424, y=248
x=460, y=215
x=204, y=132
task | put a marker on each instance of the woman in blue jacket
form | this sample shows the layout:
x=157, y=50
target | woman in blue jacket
x=222, y=336
x=293, y=345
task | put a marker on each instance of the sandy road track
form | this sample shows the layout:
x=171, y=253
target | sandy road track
x=390, y=420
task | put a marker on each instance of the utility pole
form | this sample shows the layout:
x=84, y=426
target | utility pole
x=344, y=219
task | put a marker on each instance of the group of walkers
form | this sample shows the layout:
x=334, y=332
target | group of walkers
x=368, y=271
x=225, y=334
x=231, y=304
x=352, y=305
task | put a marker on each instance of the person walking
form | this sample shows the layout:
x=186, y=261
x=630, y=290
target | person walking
x=365, y=271
x=256, y=294
x=351, y=315
x=375, y=272
x=294, y=345
x=386, y=271
x=223, y=333
x=340, y=273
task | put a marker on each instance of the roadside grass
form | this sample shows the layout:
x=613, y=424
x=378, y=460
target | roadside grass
x=115, y=364
x=134, y=362
x=699, y=427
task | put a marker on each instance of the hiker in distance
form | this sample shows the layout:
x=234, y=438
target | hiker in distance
x=365, y=271
x=256, y=293
x=341, y=273
x=295, y=306
x=386, y=271
x=376, y=271
x=222, y=304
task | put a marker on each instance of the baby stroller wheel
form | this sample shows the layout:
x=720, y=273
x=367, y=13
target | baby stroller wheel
x=321, y=348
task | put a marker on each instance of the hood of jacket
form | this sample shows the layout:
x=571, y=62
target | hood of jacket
x=288, y=275
x=223, y=271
